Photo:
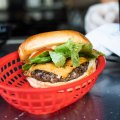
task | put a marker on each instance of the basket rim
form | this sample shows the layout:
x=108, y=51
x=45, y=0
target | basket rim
x=100, y=67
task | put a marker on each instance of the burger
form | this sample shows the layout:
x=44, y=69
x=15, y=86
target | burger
x=57, y=58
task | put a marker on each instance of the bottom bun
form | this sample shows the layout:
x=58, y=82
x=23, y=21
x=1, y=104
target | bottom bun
x=39, y=84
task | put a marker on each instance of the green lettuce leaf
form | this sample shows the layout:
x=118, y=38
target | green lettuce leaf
x=26, y=66
x=87, y=48
x=96, y=53
x=43, y=54
x=58, y=58
x=40, y=60
x=64, y=50
x=74, y=50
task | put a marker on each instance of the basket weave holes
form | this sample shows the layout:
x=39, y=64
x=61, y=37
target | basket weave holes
x=11, y=71
x=61, y=91
x=50, y=100
x=22, y=96
x=15, y=101
x=18, y=59
x=76, y=96
x=19, y=84
x=1, y=69
x=48, y=103
x=70, y=90
x=47, y=96
x=25, y=80
x=13, y=61
x=12, y=80
x=89, y=82
x=5, y=66
x=12, y=94
x=24, y=104
x=4, y=76
x=84, y=85
x=35, y=97
x=20, y=66
x=9, y=64
x=22, y=82
x=77, y=88
x=94, y=79
x=4, y=91
x=9, y=82
x=8, y=74
x=1, y=79
x=16, y=77
x=15, y=68
x=19, y=75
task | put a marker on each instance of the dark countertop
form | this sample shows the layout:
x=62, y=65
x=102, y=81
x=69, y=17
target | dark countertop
x=101, y=103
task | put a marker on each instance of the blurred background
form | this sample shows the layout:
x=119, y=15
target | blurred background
x=22, y=18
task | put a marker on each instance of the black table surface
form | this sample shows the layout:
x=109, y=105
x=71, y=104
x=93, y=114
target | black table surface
x=101, y=103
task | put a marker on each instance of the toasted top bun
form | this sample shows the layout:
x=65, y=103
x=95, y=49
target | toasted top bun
x=39, y=41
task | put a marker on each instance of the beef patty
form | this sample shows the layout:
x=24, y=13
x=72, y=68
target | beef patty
x=45, y=76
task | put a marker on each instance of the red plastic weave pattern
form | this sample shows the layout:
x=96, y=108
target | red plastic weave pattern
x=16, y=90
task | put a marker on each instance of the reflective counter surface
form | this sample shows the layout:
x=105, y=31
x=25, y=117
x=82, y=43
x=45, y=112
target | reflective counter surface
x=101, y=103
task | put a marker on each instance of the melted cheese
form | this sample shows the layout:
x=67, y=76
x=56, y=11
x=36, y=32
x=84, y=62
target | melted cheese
x=61, y=71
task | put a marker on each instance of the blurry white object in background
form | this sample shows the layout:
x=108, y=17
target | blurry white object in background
x=3, y=7
x=106, y=39
x=33, y=3
x=48, y=3
x=3, y=4
x=100, y=14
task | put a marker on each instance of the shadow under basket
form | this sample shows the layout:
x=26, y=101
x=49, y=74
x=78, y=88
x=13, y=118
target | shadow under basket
x=15, y=89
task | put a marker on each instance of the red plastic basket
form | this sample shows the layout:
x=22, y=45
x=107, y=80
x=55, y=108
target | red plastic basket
x=15, y=89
